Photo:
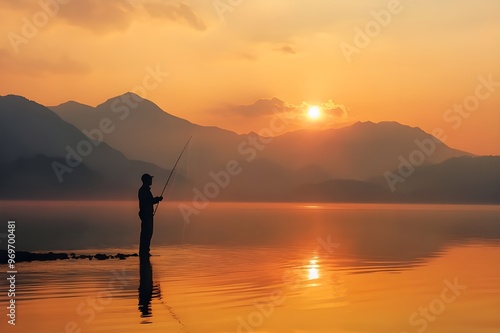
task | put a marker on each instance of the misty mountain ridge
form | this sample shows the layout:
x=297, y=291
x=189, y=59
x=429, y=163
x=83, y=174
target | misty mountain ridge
x=41, y=151
x=365, y=149
x=143, y=131
x=446, y=182
x=345, y=164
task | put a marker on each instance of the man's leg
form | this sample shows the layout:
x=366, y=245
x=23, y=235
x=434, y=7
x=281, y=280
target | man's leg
x=150, y=233
x=146, y=234
x=142, y=242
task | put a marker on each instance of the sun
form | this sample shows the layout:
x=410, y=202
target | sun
x=314, y=112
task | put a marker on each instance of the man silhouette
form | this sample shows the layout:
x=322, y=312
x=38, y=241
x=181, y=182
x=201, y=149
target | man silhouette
x=146, y=203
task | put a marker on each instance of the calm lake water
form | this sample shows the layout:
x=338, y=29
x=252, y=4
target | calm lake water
x=283, y=268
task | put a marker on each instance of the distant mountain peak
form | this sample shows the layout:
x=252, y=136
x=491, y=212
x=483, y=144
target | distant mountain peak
x=72, y=103
x=14, y=102
x=134, y=95
x=380, y=123
x=73, y=106
x=126, y=97
x=11, y=97
x=361, y=123
x=136, y=105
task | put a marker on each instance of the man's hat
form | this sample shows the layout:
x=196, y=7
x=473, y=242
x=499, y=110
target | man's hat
x=146, y=176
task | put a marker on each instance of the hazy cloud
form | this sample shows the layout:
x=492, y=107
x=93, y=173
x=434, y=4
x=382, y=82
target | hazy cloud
x=95, y=15
x=111, y=15
x=337, y=112
x=263, y=107
x=331, y=112
x=286, y=49
x=98, y=15
x=177, y=12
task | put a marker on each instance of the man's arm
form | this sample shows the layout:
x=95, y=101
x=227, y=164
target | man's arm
x=157, y=199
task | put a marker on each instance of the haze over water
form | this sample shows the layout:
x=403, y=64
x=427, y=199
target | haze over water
x=261, y=268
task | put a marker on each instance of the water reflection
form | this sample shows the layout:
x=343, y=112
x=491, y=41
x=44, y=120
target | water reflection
x=313, y=269
x=394, y=237
x=147, y=290
x=330, y=267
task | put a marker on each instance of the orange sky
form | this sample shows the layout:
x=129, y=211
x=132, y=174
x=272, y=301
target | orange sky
x=417, y=60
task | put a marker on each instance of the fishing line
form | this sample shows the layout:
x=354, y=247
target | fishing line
x=171, y=173
x=169, y=308
x=174, y=315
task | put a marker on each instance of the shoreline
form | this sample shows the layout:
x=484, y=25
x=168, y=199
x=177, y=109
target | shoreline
x=26, y=256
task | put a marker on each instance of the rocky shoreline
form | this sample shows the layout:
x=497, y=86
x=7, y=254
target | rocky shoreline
x=23, y=256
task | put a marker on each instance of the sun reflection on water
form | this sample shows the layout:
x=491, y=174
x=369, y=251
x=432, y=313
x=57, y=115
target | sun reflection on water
x=313, y=270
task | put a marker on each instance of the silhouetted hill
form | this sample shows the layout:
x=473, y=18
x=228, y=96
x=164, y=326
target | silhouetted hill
x=364, y=150
x=41, y=155
x=457, y=180
x=359, y=152
x=346, y=164
x=472, y=180
x=142, y=131
x=33, y=177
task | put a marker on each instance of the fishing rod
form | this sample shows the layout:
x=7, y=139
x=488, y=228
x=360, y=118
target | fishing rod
x=171, y=173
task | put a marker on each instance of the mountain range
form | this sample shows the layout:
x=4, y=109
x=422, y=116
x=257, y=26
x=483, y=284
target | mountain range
x=42, y=156
x=78, y=151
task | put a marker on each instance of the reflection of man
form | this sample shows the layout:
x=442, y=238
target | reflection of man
x=145, y=286
x=146, y=203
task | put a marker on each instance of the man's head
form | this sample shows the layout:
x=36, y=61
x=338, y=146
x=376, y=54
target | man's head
x=147, y=179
